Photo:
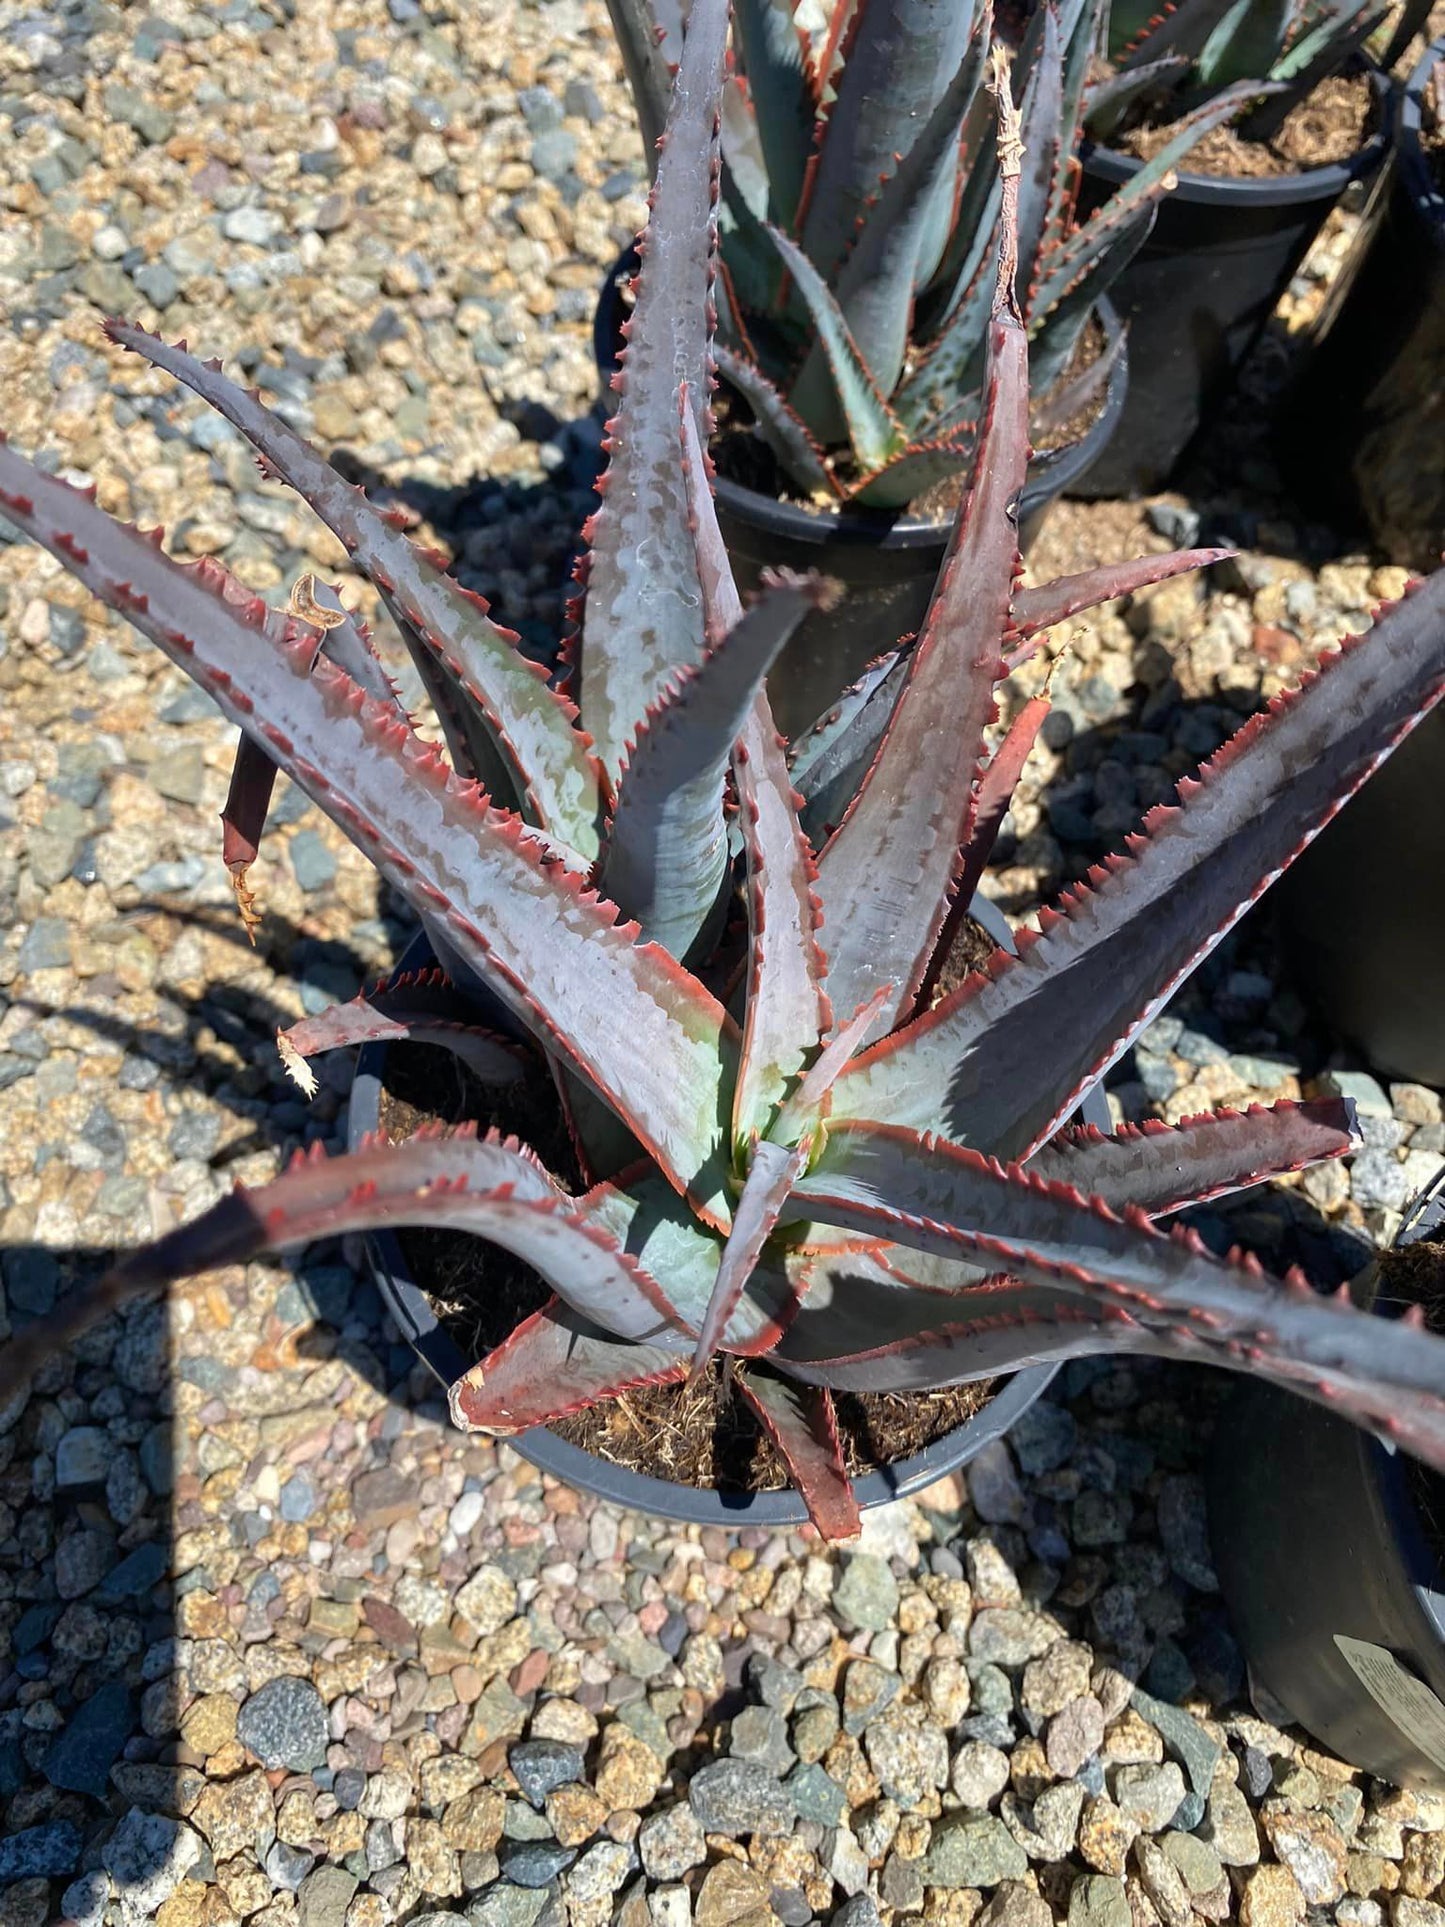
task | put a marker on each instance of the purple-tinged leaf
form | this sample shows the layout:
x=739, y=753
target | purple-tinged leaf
x=530, y=725
x=642, y=618
x=996, y=788
x=1162, y=1167
x=900, y=59
x=887, y=875
x=863, y=414
x=787, y=1007
x=774, y=1170
x=646, y=47
x=941, y=1199
x=802, y=1424
x=772, y=59
x=807, y=1106
x=1042, y=114
x=647, y=1036
x=667, y=848
x=831, y=761
x=418, y=1006
x=1002, y=1060
x=1034, y=610
x=243, y=822
x=554, y=1363
x=785, y=433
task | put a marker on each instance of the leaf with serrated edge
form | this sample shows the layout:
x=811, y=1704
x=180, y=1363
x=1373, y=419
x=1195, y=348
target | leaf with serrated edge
x=784, y=432
x=642, y=618
x=802, y=1424
x=419, y=1006
x=647, y=1036
x=554, y=1363
x=531, y=725
x=1162, y=1167
x=771, y=1176
x=1003, y=1059
x=1036, y=609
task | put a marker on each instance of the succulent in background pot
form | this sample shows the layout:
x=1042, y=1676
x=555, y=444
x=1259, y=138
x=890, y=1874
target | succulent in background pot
x=1225, y=245
x=822, y=1146
x=1330, y=1552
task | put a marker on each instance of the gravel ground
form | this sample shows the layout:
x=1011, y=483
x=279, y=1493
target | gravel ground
x=279, y=1645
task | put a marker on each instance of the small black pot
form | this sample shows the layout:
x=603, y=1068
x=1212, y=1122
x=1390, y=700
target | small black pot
x=887, y=563
x=1365, y=424
x=1335, y=1585
x=439, y=1351
x=1195, y=297
x=1361, y=915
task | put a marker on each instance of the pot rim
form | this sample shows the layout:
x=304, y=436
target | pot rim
x=887, y=528
x=639, y=1491
x=1414, y=170
x=1275, y=190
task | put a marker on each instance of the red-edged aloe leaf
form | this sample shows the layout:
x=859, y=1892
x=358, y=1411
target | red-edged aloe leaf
x=774, y=1170
x=772, y=58
x=840, y=749
x=996, y=788
x=1035, y=609
x=1042, y=113
x=649, y=1222
x=899, y=61
x=940, y=1198
x=421, y=1006
x=1143, y=30
x=808, y=750
x=787, y=1007
x=808, y=1104
x=490, y=1187
x=876, y=283
x=646, y=45
x=530, y=725
x=642, y=618
x=1162, y=1167
x=917, y=469
x=1001, y=1062
x=647, y=1036
x=874, y=432
x=667, y=850
x=243, y=822
x=554, y=1363
x=804, y=1427
x=885, y=878
x=785, y=433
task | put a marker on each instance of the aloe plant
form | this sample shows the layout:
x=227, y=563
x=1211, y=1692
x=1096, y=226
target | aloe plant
x=815, y=1162
x=860, y=193
x=1175, y=58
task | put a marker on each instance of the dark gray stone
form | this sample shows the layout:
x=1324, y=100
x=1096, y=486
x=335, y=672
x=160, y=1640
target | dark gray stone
x=46, y=945
x=535, y=1863
x=739, y=1797
x=284, y=1724
x=83, y=1754
x=541, y=1766
x=42, y=1852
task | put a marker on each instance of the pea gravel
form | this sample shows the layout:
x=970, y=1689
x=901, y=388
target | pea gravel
x=278, y=1645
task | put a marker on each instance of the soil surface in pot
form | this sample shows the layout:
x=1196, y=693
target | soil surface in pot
x=1333, y=122
x=741, y=457
x=704, y=1436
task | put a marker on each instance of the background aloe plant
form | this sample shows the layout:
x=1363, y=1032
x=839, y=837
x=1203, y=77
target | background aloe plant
x=860, y=196
x=815, y=1162
x=1170, y=60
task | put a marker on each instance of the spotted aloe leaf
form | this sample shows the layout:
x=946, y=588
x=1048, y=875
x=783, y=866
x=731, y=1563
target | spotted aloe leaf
x=418, y=1006
x=642, y=619
x=519, y=731
x=657, y=1047
x=974, y=1066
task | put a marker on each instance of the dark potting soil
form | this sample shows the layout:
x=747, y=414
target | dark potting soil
x=1416, y=1274
x=704, y=1436
x=1333, y=122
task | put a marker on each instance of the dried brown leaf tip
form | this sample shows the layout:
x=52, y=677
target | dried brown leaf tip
x=246, y=902
x=315, y=602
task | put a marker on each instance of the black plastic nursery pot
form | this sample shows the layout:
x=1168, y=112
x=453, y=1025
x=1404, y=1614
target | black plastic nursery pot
x=438, y=1350
x=1332, y=1574
x=887, y=563
x=1365, y=423
x=1196, y=296
x=1361, y=915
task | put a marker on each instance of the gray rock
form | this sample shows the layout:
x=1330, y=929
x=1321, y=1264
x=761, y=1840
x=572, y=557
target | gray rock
x=973, y=1850
x=284, y=1724
x=910, y=1758
x=534, y=1863
x=776, y=1685
x=1366, y=1093
x=1378, y=1178
x=81, y=1561
x=817, y=1795
x=1229, y=1826
x=672, y=1843
x=760, y=1733
x=1183, y=1736
x=1198, y=1863
x=553, y=154
x=1008, y=1636
x=1099, y=1900
x=866, y=1596
x=1149, y=1794
x=82, y=1457
x=601, y=1871
x=901, y=1886
x=298, y=1498
x=540, y=1766
x=39, y=1852
x=85, y=1900
x=993, y=1485
x=860, y=1911
x=147, y=1858
x=507, y=1905
x=867, y=1689
x=46, y=945
x=739, y=1797
x=157, y=283
x=256, y=225
x=325, y=1896
x=82, y=1755
x=979, y=1773
x=288, y=1866
x=313, y=864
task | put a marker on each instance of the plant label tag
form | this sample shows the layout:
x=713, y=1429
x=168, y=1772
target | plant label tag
x=1418, y=1713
